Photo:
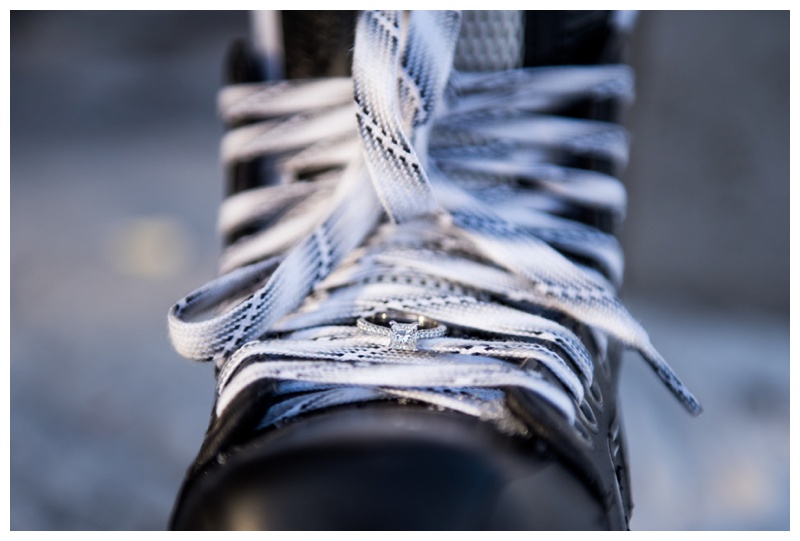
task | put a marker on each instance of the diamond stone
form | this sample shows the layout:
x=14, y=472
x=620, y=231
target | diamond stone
x=404, y=336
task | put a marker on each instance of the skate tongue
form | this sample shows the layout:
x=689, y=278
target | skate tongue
x=319, y=43
x=302, y=44
x=504, y=40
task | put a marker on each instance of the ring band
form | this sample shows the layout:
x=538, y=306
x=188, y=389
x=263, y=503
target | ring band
x=402, y=328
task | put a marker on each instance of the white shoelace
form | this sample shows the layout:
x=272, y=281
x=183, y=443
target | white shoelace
x=460, y=163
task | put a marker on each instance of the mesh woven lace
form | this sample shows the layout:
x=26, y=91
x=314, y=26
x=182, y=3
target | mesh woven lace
x=414, y=187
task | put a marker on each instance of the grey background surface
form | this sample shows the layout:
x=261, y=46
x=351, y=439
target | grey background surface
x=114, y=189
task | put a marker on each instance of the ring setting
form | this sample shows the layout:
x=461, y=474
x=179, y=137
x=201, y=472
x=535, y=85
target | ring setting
x=403, y=329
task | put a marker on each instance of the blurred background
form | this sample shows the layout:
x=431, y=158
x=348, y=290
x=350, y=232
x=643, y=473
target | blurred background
x=114, y=190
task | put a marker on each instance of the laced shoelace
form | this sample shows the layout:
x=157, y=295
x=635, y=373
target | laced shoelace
x=465, y=168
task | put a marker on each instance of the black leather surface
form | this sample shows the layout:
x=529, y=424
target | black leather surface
x=390, y=468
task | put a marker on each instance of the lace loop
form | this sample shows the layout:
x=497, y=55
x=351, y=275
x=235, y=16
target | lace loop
x=470, y=182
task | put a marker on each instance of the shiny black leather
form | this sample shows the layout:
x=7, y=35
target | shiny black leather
x=390, y=468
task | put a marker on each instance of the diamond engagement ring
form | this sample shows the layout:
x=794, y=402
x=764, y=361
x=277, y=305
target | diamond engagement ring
x=403, y=329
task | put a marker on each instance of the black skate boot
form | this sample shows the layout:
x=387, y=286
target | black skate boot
x=416, y=324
